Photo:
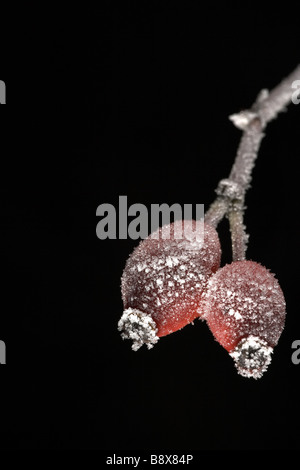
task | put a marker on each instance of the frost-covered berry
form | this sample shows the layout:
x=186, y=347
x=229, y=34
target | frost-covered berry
x=245, y=310
x=164, y=279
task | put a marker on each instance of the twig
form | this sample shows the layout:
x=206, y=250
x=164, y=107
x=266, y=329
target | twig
x=231, y=191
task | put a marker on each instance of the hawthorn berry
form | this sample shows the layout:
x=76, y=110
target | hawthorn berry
x=245, y=311
x=164, y=280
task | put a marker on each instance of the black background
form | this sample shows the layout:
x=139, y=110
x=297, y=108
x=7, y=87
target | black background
x=133, y=98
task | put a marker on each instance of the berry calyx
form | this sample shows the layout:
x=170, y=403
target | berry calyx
x=245, y=311
x=164, y=280
x=139, y=327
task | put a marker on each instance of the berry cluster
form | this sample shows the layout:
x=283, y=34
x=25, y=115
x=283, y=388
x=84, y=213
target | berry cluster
x=167, y=283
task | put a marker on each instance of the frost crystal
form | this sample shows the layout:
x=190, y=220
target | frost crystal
x=230, y=189
x=139, y=327
x=252, y=357
x=241, y=120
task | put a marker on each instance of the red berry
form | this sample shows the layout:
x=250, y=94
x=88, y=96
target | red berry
x=164, y=279
x=245, y=310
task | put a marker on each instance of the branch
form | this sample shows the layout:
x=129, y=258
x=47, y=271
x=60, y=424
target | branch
x=231, y=191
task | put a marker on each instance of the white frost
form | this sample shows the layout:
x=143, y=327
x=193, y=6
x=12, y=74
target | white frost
x=235, y=313
x=139, y=327
x=242, y=119
x=252, y=357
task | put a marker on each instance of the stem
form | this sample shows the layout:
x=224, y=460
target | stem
x=216, y=211
x=231, y=191
x=239, y=238
x=246, y=155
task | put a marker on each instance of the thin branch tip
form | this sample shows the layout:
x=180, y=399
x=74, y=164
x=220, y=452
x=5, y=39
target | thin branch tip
x=231, y=191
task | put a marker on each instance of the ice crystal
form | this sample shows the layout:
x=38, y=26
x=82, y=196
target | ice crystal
x=139, y=327
x=252, y=357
